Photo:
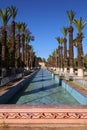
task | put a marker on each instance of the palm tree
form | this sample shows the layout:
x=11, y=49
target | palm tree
x=18, y=26
x=50, y=61
x=31, y=55
x=80, y=26
x=64, y=31
x=28, y=55
x=13, y=12
x=27, y=40
x=71, y=15
x=4, y=14
x=23, y=27
x=60, y=56
x=54, y=58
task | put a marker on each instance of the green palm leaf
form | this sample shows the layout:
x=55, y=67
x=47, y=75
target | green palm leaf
x=18, y=26
x=4, y=14
x=13, y=11
x=60, y=40
x=70, y=15
x=27, y=39
x=64, y=31
x=79, y=24
x=23, y=26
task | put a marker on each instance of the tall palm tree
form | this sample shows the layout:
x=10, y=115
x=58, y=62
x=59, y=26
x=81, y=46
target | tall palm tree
x=23, y=27
x=60, y=56
x=54, y=59
x=71, y=15
x=80, y=26
x=4, y=14
x=18, y=26
x=64, y=31
x=13, y=12
x=27, y=40
x=49, y=60
x=30, y=56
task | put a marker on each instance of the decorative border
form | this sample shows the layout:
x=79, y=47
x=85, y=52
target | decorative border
x=43, y=115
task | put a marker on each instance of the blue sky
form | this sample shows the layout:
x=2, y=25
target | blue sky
x=45, y=18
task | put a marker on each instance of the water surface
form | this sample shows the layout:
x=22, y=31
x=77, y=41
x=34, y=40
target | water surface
x=43, y=89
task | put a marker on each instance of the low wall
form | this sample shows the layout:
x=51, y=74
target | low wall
x=77, y=95
x=82, y=99
x=5, y=80
x=10, y=92
x=26, y=115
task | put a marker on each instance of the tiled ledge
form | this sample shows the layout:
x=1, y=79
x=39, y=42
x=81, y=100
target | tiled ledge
x=59, y=114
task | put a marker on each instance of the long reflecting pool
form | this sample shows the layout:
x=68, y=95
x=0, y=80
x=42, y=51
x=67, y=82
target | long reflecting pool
x=43, y=89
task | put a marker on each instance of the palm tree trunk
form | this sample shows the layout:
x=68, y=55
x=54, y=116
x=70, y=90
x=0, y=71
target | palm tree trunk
x=65, y=55
x=18, y=52
x=26, y=55
x=18, y=46
x=71, y=62
x=13, y=44
x=61, y=58
x=4, y=33
x=23, y=42
x=27, y=58
x=58, y=59
x=3, y=53
x=80, y=55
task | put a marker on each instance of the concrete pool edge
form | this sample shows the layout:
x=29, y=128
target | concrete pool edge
x=8, y=93
x=49, y=114
x=76, y=93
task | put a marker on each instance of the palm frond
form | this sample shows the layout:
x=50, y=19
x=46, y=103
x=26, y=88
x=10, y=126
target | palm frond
x=18, y=26
x=1, y=12
x=13, y=11
x=27, y=39
x=23, y=26
x=70, y=15
x=79, y=24
x=64, y=31
x=60, y=40
x=4, y=14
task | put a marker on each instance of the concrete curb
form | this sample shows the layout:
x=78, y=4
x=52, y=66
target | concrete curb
x=9, y=93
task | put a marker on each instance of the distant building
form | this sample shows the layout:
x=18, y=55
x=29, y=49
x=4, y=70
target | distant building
x=42, y=64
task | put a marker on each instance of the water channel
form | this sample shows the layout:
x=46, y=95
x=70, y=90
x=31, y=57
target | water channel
x=43, y=89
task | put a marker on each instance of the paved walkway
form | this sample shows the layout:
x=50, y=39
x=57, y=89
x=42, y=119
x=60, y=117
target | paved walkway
x=45, y=127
